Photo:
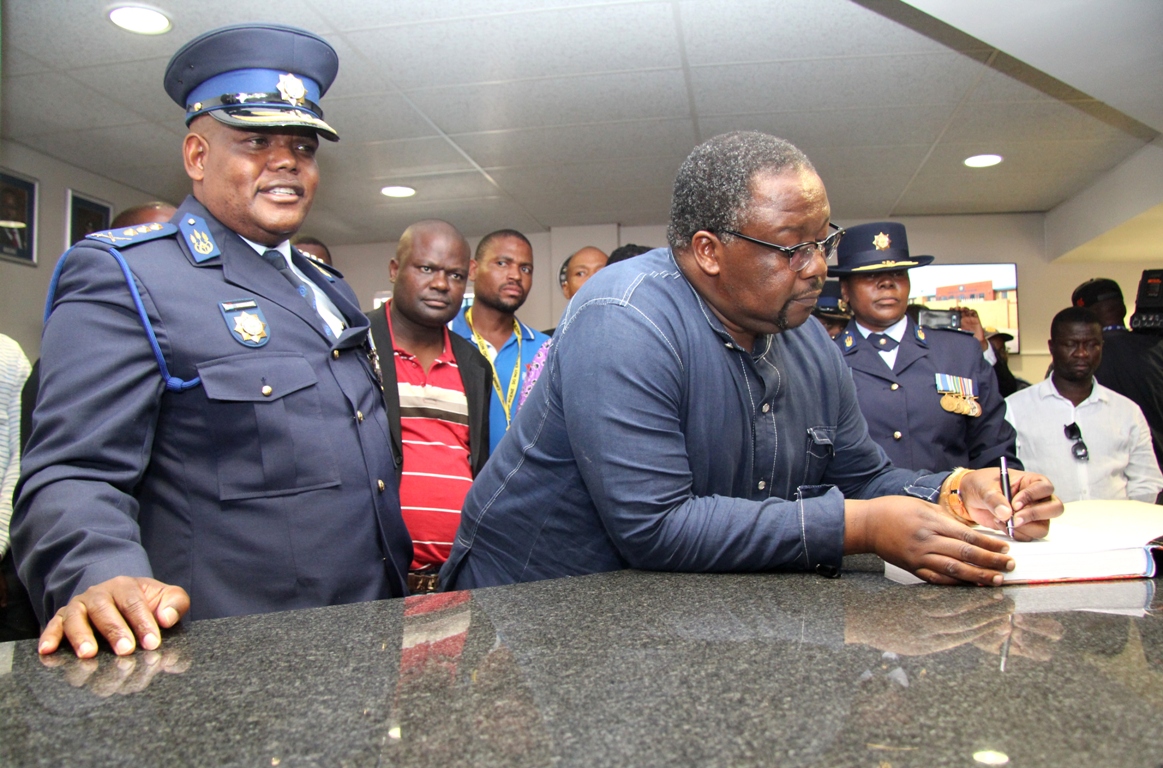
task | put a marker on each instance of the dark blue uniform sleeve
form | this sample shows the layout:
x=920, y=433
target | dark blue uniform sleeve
x=75, y=519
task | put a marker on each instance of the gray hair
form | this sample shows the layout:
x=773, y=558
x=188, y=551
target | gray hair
x=713, y=188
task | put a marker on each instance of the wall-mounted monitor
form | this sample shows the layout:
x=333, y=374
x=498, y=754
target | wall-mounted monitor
x=991, y=289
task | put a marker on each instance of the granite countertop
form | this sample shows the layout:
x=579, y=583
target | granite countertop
x=622, y=669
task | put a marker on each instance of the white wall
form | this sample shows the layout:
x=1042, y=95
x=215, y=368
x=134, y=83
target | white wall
x=23, y=288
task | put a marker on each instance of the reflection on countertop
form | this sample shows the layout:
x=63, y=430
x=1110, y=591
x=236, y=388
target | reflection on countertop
x=625, y=668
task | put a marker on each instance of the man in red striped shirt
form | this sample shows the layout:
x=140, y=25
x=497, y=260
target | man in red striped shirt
x=436, y=392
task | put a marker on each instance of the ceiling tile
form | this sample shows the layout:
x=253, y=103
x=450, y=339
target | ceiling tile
x=121, y=149
x=351, y=16
x=835, y=163
x=1027, y=121
x=760, y=30
x=990, y=193
x=429, y=189
x=864, y=197
x=579, y=143
x=18, y=62
x=136, y=85
x=558, y=101
x=872, y=81
x=915, y=124
x=998, y=86
x=597, y=177
x=372, y=162
x=38, y=26
x=384, y=117
x=29, y=111
x=557, y=43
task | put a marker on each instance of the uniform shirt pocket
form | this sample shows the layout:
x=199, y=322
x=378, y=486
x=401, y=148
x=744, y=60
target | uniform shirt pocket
x=265, y=413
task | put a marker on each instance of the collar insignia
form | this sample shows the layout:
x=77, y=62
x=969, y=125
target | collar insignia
x=198, y=238
x=881, y=242
x=292, y=89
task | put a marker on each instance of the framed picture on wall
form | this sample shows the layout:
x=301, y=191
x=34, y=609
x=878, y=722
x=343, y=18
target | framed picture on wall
x=85, y=215
x=17, y=218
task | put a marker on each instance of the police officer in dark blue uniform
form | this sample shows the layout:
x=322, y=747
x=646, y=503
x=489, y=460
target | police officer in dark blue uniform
x=210, y=435
x=929, y=396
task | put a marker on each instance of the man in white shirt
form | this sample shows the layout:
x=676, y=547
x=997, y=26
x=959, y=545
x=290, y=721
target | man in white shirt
x=1093, y=443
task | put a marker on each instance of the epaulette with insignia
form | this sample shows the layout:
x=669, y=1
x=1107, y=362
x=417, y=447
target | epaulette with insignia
x=197, y=236
x=121, y=238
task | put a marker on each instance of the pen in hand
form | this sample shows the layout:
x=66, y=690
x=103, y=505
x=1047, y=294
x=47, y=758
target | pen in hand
x=1005, y=488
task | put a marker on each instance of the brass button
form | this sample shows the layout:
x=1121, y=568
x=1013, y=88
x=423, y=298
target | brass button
x=359, y=416
x=896, y=435
x=266, y=390
x=335, y=354
x=380, y=485
x=895, y=387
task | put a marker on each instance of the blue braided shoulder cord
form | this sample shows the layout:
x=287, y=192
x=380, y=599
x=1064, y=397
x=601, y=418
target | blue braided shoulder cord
x=173, y=383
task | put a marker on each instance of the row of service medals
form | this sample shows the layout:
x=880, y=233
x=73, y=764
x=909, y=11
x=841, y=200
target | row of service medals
x=958, y=395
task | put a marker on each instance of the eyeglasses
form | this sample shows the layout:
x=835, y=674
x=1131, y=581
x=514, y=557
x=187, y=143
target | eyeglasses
x=799, y=256
x=1079, y=448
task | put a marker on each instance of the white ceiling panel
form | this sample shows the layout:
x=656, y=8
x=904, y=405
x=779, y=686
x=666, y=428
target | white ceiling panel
x=1061, y=158
x=123, y=148
x=840, y=127
x=375, y=162
x=1028, y=121
x=29, y=110
x=354, y=16
x=873, y=81
x=18, y=62
x=134, y=86
x=558, y=101
x=839, y=162
x=560, y=43
x=378, y=117
x=597, y=176
x=579, y=143
x=790, y=29
x=1000, y=192
x=864, y=197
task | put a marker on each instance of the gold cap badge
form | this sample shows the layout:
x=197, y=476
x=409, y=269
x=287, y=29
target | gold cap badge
x=881, y=242
x=292, y=89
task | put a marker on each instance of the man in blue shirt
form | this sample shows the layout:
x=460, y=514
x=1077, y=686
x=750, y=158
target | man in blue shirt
x=501, y=274
x=689, y=419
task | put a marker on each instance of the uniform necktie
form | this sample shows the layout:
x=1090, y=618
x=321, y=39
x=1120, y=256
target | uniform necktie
x=278, y=262
x=882, y=342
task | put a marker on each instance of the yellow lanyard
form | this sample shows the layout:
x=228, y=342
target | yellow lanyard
x=482, y=345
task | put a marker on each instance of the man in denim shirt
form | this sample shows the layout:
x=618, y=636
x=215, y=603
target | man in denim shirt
x=688, y=418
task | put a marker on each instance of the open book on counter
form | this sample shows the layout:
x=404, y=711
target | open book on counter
x=1092, y=540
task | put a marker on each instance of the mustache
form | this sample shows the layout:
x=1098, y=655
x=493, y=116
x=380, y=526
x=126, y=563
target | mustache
x=817, y=286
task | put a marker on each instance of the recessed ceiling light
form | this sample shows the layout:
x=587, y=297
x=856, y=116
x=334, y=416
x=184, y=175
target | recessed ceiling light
x=141, y=19
x=398, y=191
x=989, y=756
x=982, y=161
